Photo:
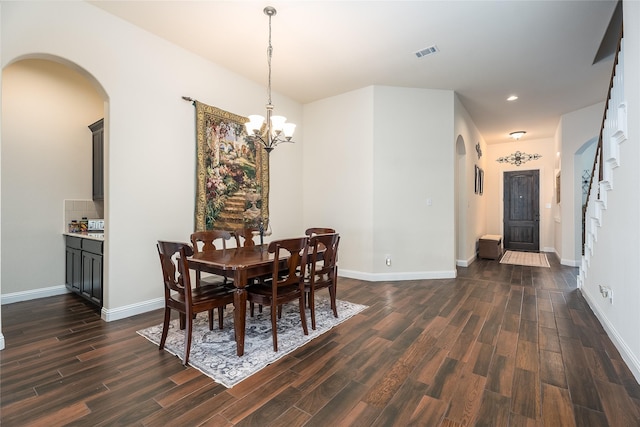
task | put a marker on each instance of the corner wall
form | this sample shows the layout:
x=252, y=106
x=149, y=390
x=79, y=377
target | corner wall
x=575, y=129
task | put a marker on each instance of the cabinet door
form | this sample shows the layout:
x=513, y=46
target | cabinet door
x=73, y=270
x=92, y=277
x=97, y=130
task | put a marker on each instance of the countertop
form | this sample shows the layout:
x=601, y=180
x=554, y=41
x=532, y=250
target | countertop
x=92, y=236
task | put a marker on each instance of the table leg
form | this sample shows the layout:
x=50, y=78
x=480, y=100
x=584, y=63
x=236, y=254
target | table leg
x=240, y=310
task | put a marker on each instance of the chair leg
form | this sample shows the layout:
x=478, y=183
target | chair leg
x=165, y=327
x=303, y=317
x=187, y=338
x=332, y=295
x=210, y=320
x=182, y=321
x=220, y=316
x=274, y=328
x=312, y=308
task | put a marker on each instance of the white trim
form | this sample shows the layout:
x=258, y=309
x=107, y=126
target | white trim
x=570, y=262
x=33, y=294
x=389, y=277
x=467, y=262
x=109, y=315
x=1, y=342
x=627, y=355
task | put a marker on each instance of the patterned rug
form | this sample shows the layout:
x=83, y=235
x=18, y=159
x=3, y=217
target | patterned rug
x=214, y=352
x=529, y=259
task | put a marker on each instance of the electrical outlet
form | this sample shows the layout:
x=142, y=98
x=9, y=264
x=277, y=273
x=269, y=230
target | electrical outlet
x=387, y=260
x=606, y=292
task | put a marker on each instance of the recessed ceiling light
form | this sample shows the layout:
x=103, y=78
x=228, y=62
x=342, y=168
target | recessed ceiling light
x=512, y=98
x=517, y=134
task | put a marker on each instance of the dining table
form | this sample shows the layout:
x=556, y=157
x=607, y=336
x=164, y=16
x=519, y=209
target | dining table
x=244, y=263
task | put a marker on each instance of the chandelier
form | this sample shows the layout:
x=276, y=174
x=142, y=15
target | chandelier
x=276, y=130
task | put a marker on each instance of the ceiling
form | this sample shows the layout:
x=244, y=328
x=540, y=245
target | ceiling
x=541, y=51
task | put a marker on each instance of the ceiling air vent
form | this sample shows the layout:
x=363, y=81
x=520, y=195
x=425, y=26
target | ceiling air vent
x=427, y=51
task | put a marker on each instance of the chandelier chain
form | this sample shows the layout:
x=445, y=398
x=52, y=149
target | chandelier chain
x=269, y=54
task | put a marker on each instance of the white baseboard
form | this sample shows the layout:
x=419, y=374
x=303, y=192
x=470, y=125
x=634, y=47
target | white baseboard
x=570, y=262
x=390, y=277
x=467, y=262
x=627, y=355
x=109, y=315
x=32, y=294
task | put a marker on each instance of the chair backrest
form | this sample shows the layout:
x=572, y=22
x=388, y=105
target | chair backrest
x=246, y=234
x=324, y=254
x=175, y=267
x=318, y=230
x=297, y=249
x=205, y=241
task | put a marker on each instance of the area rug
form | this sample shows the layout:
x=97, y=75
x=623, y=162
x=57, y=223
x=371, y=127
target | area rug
x=529, y=259
x=214, y=352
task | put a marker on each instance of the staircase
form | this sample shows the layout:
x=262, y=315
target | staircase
x=613, y=132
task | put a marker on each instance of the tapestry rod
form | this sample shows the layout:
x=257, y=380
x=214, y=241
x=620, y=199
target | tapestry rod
x=188, y=98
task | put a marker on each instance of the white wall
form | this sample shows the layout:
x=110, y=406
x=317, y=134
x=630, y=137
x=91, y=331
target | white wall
x=1, y=334
x=576, y=128
x=338, y=174
x=494, y=184
x=615, y=262
x=46, y=158
x=149, y=131
x=370, y=170
x=474, y=206
x=413, y=199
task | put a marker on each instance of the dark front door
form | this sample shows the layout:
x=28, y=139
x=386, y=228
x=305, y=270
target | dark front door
x=521, y=211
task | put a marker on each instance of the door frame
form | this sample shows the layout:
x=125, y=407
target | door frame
x=541, y=222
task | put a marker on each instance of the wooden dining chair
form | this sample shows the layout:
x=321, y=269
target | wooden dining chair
x=244, y=236
x=205, y=241
x=286, y=282
x=179, y=295
x=323, y=271
x=318, y=230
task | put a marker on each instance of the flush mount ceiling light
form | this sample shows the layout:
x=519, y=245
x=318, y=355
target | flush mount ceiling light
x=517, y=134
x=276, y=130
x=512, y=98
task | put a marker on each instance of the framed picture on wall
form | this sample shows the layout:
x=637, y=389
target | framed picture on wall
x=558, y=187
x=481, y=185
x=476, y=178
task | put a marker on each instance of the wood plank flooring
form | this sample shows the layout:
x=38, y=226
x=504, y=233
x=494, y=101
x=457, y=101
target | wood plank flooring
x=500, y=345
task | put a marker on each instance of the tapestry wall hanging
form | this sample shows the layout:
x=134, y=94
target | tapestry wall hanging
x=232, y=188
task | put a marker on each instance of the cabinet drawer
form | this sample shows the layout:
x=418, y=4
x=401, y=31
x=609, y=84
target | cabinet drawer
x=74, y=242
x=93, y=246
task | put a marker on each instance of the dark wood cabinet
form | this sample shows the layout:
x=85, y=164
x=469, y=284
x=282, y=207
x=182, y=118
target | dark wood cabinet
x=97, y=130
x=84, y=268
x=73, y=271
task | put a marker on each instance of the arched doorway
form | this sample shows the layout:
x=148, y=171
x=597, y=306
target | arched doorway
x=48, y=103
x=460, y=189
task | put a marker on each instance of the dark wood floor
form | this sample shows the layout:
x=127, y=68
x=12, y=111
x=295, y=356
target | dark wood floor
x=498, y=346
